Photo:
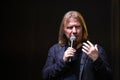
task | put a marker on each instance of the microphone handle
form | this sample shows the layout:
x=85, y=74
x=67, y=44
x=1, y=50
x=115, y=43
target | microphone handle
x=71, y=45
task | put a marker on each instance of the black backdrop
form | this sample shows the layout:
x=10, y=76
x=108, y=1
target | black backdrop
x=30, y=28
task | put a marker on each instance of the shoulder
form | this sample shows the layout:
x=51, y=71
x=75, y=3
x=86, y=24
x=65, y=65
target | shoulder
x=102, y=52
x=100, y=48
x=56, y=47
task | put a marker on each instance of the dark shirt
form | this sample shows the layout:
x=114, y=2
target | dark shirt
x=81, y=67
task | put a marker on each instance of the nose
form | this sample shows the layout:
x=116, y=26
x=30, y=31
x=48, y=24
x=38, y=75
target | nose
x=74, y=30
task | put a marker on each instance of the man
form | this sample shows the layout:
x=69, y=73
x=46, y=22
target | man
x=81, y=61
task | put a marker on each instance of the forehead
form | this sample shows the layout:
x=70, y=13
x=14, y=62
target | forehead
x=72, y=21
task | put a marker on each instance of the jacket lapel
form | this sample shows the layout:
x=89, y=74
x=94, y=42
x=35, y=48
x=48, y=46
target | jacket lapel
x=61, y=51
x=82, y=63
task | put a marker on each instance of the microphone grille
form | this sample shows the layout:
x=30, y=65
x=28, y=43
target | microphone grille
x=72, y=38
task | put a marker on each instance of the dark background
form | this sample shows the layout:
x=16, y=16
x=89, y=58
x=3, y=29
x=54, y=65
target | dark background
x=30, y=28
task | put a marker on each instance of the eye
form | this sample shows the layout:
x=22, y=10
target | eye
x=78, y=27
x=69, y=27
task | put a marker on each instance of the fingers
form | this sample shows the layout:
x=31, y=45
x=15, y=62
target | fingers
x=91, y=50
x=88, y=47
x=84, y=50
x=90, y=43
x=69, y=53
x=71, y=49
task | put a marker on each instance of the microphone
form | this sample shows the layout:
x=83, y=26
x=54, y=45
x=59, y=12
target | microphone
x=72, y=39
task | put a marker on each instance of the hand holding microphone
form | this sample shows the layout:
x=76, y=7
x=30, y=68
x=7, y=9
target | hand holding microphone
x=70, y=50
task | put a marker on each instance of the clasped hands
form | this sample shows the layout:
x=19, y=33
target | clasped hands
x=90, y=49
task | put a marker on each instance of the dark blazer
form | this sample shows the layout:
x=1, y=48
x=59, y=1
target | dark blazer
x=81, y=66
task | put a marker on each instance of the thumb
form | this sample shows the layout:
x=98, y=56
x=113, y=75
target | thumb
x=96, y=47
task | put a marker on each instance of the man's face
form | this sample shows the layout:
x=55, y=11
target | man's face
x=73, y=27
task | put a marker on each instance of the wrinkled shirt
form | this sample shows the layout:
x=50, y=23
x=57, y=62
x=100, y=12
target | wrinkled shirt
x=81, y=67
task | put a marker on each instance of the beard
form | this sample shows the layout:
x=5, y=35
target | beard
x=77, y=42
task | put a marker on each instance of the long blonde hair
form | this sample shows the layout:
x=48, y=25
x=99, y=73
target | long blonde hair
x=62, y=40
